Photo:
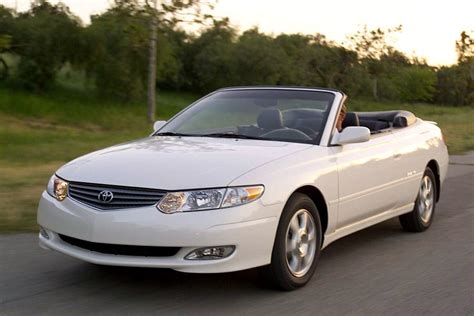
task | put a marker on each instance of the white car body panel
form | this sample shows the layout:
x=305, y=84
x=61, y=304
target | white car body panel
x=251, y=229
x=172, y=163
x=362, y=196
x=361, y=184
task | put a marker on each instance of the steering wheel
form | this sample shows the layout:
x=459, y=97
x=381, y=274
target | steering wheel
x=307, y=130
x=287, y=133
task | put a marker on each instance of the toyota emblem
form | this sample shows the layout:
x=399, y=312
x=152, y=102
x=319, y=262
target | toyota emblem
x=105, y=196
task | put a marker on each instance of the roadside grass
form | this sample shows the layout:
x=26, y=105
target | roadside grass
x=20, y=189
x=39, y=133
x=80, y=108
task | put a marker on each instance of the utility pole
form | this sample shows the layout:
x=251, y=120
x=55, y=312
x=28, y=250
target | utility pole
x=151, y=93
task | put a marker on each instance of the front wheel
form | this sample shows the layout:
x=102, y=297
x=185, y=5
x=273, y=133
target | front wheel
x=297, y=245
x=421, y=217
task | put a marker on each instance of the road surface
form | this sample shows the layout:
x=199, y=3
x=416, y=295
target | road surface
x=381, y=270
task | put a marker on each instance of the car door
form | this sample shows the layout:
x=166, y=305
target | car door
x=411, y=156
x=366, y=177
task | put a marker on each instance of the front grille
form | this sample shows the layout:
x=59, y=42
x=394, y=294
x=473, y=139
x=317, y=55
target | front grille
x=124, y=250
x=123, y=197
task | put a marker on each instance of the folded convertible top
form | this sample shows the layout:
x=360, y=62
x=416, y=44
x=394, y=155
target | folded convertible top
x=397, y=118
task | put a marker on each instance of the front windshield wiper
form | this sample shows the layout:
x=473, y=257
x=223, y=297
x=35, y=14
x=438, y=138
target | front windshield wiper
x=217, y=135
x=230, y=135
x=173, y=134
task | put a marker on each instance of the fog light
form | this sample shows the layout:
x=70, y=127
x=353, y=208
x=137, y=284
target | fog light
x=210, y=253
x=44, y=233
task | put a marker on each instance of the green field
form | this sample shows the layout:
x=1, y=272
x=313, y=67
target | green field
x=38, y=133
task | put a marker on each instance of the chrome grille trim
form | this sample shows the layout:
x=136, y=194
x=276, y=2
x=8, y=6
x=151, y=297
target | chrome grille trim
x=124, y=197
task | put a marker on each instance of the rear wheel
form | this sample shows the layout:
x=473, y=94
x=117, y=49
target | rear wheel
x=297, y=245
x=421, y=217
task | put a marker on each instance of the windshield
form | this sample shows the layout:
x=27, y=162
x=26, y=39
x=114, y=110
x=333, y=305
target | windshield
x=267, y=114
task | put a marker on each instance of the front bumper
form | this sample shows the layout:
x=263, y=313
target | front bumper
x=250, y=228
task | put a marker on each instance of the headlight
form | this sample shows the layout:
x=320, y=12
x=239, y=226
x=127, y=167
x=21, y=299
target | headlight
x=188, y=201
x=57, y=188
x=241, y=195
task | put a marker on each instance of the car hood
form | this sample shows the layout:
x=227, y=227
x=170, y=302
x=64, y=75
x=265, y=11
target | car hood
x=175, y=163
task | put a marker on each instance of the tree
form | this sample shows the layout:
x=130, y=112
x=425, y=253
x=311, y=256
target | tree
x=391, y=67
x=117, y=51
x=168, y=12
x=456, y=83
x=294, y=70
x=416, y=84
x=330, y=62
x=151, y=92
x=465, y=47
x=211, y=60
x=6, y=26
x=5, y=41
x=258, y=59
x=370, y=46
x=465, y=50
x=45, y=38
x=453, y=86
x=170, y=58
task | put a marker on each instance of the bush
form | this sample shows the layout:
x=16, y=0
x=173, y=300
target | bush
x=416, y=84
x=118, y=52
x=45, y=38
x=259, y=60
x=456, y=84
x=212, y=62
x=113, y=51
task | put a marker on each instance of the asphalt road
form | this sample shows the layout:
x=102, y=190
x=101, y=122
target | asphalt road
x=381, y=270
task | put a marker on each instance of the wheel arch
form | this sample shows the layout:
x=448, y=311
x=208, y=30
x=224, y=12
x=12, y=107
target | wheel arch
x=433, y=165
x=315, y=194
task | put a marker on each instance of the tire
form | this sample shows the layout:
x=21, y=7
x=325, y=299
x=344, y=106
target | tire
x=421, y=217
x=293, y=265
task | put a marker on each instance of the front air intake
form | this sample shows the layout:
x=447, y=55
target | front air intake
x=124, y=250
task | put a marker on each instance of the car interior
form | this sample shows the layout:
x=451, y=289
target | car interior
x=305, y=123
x=378, y=122
x=295, y=124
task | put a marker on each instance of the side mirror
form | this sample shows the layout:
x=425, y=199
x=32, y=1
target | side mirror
x=158, y=124
x=351, y=135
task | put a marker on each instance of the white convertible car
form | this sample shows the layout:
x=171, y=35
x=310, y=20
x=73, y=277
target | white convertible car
x=246, y=177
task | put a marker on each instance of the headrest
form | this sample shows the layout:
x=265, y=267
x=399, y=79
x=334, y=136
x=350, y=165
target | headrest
x=404, y=119
x=270, y=118
x=351, y=119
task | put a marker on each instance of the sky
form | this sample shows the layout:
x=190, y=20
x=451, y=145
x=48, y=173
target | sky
x=430, y=27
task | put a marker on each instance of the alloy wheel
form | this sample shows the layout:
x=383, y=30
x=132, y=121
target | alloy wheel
x=300, y=243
